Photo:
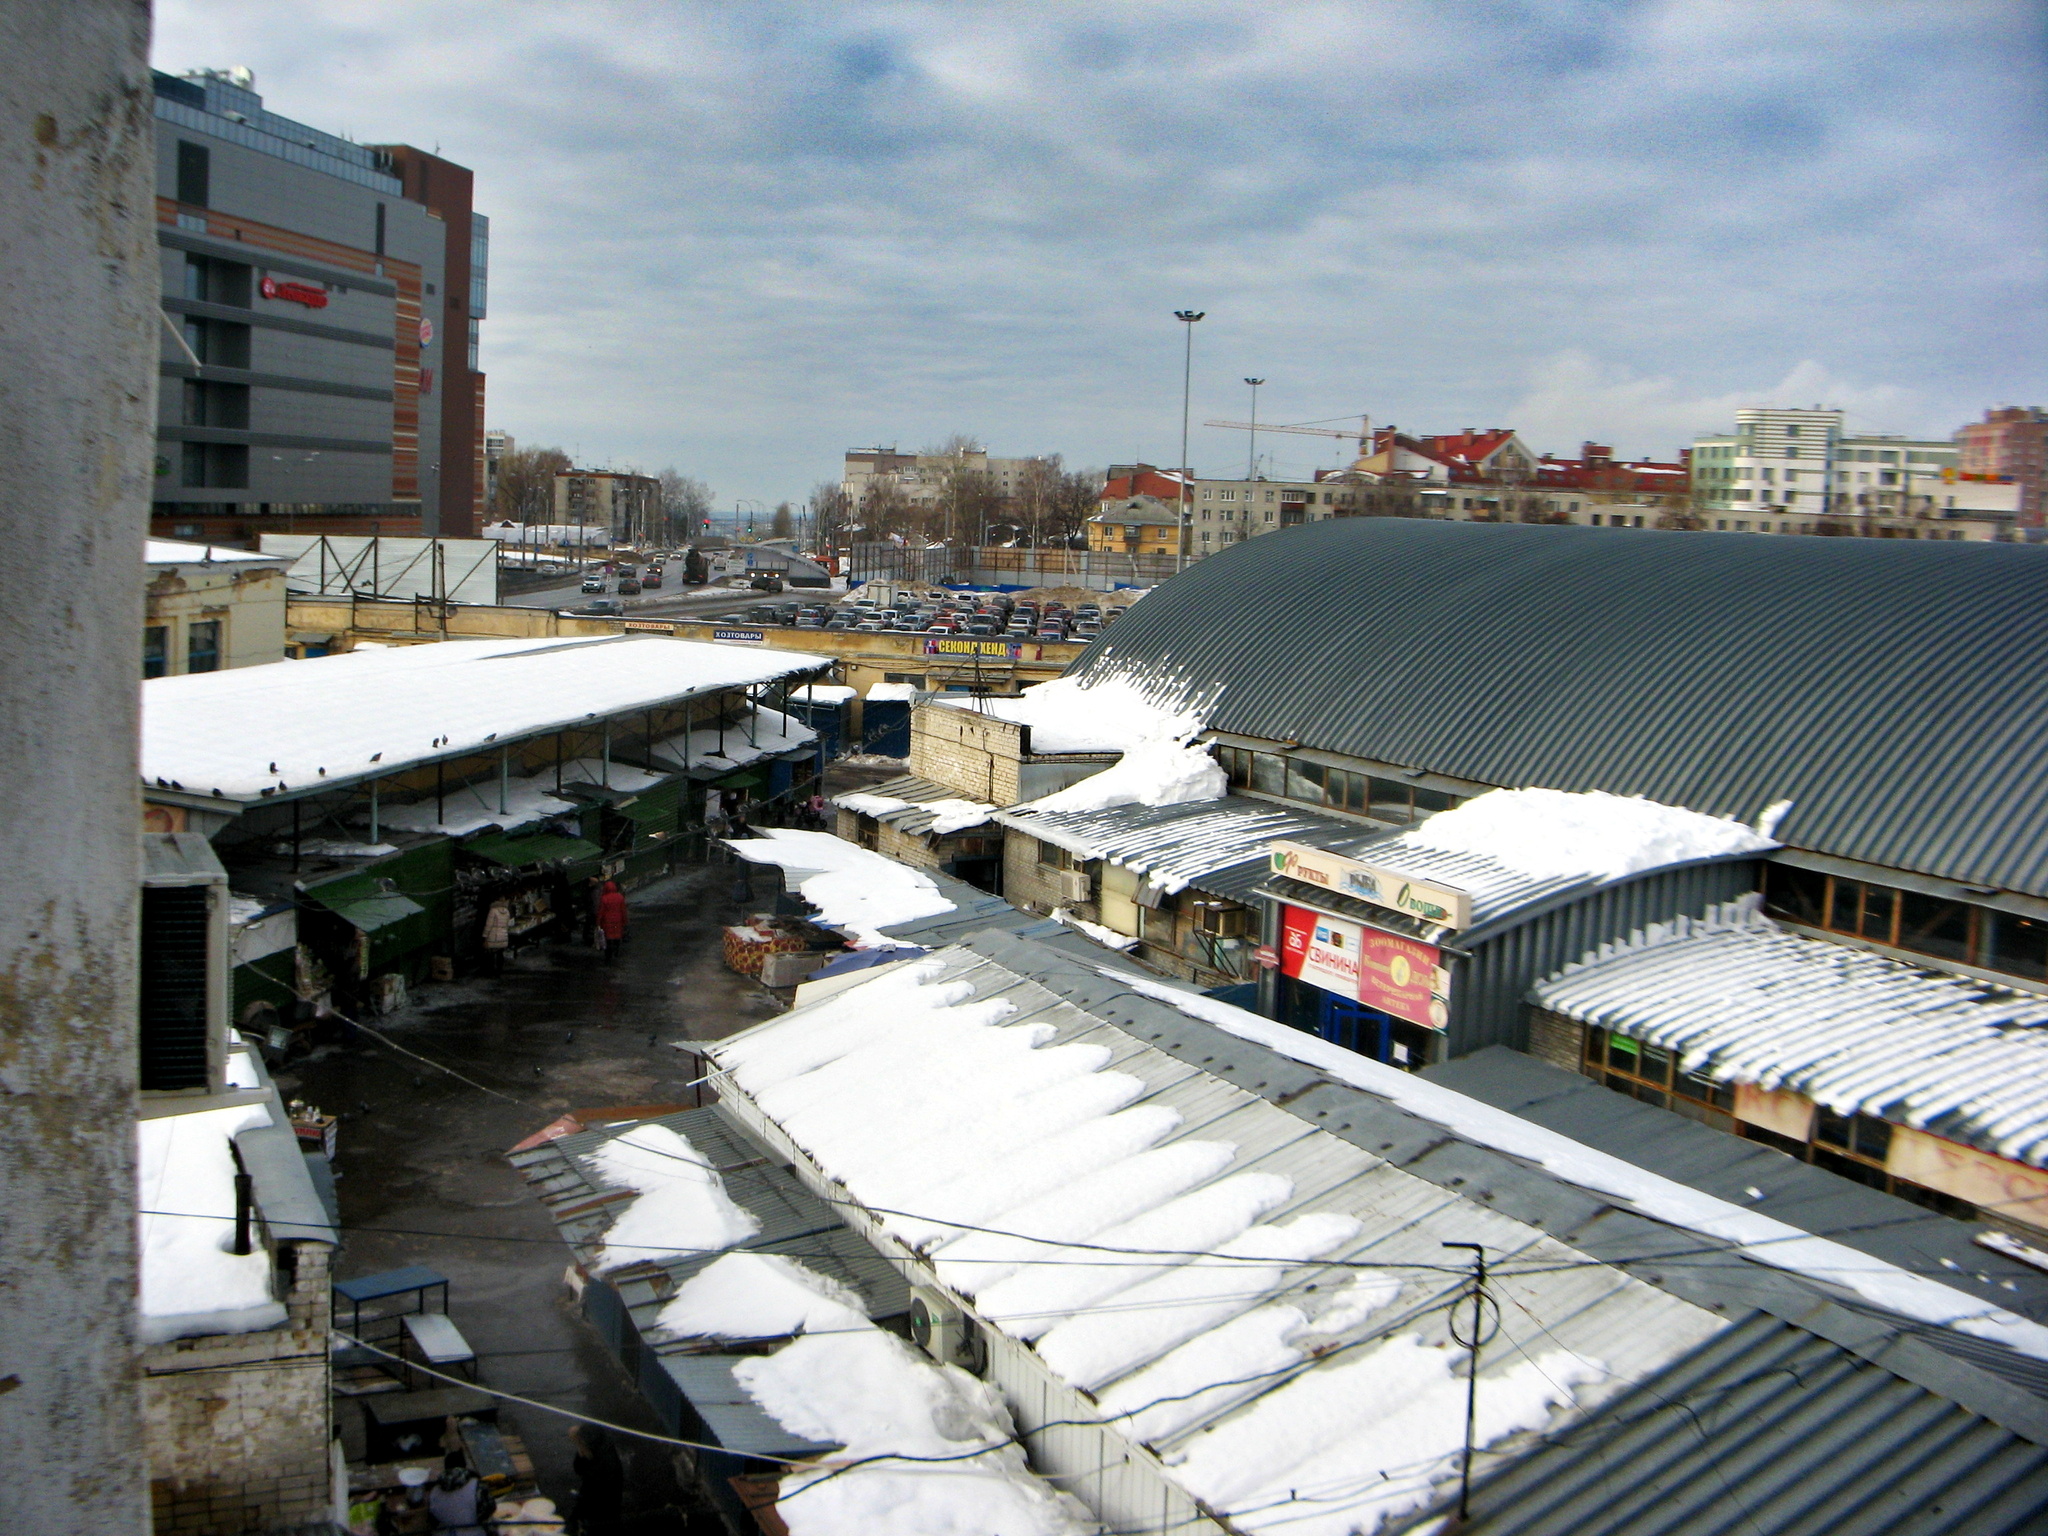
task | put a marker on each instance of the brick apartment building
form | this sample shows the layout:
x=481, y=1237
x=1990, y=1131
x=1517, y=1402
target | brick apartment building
x=2010, y=443
x=327, y=297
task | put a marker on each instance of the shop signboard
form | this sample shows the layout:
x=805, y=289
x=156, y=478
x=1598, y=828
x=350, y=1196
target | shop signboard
x=1442, y=905
x=740, y=636
x=941, y=645
x=1387, y=971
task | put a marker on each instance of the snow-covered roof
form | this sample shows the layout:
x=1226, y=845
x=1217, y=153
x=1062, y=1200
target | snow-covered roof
x=168, y=552
x=1510, y=849
x=758, y=733
x=295, y=727
x=1193, y=843
x=917, y=806
x=853, y=888
x=1742, y=1000
x=1066, y=716
x=1261, y=1302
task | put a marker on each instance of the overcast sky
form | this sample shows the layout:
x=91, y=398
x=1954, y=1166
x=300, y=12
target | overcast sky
x=741, y=238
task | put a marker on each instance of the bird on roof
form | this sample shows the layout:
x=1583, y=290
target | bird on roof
x=376, y=757
x=492, y=737
x=218, y=795
x=162, y=782
x=273, y=767
x=323, y=773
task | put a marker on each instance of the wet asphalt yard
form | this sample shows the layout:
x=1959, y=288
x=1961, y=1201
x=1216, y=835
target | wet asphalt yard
x=423, y=1177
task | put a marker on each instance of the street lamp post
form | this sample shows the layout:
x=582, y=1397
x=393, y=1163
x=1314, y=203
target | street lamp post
x=1251, y=469
x=1187, y=318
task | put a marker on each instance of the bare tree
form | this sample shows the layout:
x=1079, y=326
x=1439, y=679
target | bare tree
x=685, y=503
x=783, y=525
x=526, y=484
x=832, y=510
x=1077, y=496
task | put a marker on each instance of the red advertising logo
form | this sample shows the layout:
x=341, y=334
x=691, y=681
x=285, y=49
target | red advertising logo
x=1382, y=970
x=308, y=294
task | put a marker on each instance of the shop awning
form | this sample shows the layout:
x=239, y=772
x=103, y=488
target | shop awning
x=525, y=852
x=362, y=902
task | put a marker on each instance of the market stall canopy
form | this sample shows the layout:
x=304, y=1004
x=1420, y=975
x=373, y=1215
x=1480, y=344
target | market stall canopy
x=294, y=728
x=525, y=852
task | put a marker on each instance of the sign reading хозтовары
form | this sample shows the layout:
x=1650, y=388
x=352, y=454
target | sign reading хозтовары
x=1439, y=904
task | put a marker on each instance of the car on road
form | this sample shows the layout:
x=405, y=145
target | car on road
x=593, y=584
x=653, y=577
x=628, y=587
x=766, y=582
x=603, y=608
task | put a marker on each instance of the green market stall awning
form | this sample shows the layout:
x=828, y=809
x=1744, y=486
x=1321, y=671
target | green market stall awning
x=394, y=922
x=525, y=852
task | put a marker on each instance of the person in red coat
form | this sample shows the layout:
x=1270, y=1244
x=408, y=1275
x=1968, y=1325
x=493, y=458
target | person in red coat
x=611, y=919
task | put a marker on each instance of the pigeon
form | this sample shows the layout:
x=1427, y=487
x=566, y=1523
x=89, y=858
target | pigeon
x=218, y=795
x=162, y=782
x=376, y=757
x=269, y=791
x=273, y=767
x=492, y=737
x=323, y=773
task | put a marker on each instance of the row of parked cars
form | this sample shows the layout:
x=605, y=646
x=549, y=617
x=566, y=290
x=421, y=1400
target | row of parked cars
x=942, y=613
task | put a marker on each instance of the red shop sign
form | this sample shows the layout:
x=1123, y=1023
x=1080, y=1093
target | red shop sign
x=308, y=294
x=1387, y=971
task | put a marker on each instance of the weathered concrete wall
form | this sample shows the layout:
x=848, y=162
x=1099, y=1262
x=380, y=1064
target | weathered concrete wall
x=77, y=433
x=238, y=1424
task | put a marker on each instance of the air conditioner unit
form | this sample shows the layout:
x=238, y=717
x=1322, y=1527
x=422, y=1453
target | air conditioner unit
x=1076, y=885
x=944, y=1332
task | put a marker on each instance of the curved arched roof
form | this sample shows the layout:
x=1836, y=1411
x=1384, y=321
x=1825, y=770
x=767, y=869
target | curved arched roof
x=1895, y=691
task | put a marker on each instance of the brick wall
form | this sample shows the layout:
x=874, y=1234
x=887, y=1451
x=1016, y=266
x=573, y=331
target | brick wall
x=974, y=755
x=1556, y=1039
x=236, y=1424
x=906, y=848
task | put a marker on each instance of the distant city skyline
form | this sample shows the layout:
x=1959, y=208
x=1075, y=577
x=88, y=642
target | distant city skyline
x=741, y=241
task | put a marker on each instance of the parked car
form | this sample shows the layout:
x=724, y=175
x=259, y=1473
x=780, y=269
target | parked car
x=593, y=584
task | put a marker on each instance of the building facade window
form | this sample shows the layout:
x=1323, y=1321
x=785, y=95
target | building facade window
x=156, y=650
x=202, y=646
x=1960, y=931
x=195, y=173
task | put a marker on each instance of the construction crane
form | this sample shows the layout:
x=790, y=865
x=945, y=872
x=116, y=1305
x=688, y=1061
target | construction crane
x=1362, y=437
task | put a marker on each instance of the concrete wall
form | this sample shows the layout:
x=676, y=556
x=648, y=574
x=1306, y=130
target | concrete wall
x=77, y=413
x=237, y=1423
x=248, y=602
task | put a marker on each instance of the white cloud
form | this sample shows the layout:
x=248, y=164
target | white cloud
x=744, y=238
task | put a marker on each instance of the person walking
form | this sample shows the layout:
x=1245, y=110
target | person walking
x=600, y=1482
x=611, y=919
x=497, y=936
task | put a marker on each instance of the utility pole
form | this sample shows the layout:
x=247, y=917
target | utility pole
x=1471, y=1369
x=1251, y=468
x=1187, y=318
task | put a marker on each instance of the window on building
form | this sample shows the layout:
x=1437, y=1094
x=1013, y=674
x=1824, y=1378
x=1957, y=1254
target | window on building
x=209, y=404
x=195, y=169
x=156, y=646
x=1655, y=1076
x=220, y=466
x=202, y=646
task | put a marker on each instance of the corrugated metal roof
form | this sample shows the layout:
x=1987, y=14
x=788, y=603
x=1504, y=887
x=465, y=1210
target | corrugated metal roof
x=1746, y=1173
x=1218, y=846
x=1743, y=1000
x=1683, y=1333
x=1579, y=658
x=915, y=818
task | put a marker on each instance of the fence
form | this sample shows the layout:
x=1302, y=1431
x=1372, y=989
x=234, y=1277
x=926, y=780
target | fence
x=1099, y=570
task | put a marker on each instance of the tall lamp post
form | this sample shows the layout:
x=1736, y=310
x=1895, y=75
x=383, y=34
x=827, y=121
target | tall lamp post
x=1187, y=318
x=1251, y=468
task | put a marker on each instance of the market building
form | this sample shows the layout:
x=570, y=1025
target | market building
x=371, y=807
x=207, y=608
x=1857, y=837
x=1078, y=1150
x=323, y=302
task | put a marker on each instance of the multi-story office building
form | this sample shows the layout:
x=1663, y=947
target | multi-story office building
x=1799, y=471
x=322, y=297
x=2010, y=444
x=627, y=505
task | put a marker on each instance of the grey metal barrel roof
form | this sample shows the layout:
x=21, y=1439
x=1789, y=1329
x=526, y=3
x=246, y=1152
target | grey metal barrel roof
x=1896, y=692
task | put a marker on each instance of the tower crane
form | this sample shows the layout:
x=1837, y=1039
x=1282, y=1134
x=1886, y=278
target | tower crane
x=1362, y=437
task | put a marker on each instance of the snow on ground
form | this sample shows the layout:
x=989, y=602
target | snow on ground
x=853, y=888
x=760, y=1296
x=249, y=729
x=1757, y=1236
x=871, y=1393
x=681, y=1207
x=185, y=1186
x=1550, y=833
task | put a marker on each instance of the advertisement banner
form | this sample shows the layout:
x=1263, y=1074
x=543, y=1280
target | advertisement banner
x=1439, y=904
x=944, y=645
x=1396, y=975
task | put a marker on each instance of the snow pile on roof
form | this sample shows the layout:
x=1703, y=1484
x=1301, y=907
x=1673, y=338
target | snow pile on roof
x=1371, y=1440
x=680, y=1206
x=1178, y=850
x=1070, y=715
x=956, y=815
x=466, y=808
x=891, y=693
x=853, y=888
x=1095, y=931
x=758, y=732
x=870, y=1392
x=1742, y=1000
x=297, y=725
x=166, y=552
x=185, y=1187
x=1550, y=833
x=823, y=693
x=871, y=805
x=1165, y=772
x=760, y=1296
x=1758, y=1237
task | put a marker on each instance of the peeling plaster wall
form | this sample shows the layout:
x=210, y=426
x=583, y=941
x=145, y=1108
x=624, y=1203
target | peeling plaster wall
x=78, y=306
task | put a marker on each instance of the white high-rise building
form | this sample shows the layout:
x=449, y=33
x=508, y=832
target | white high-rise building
x=1788, y=471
